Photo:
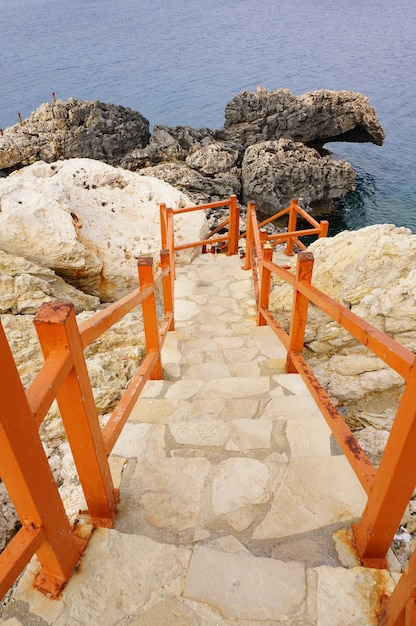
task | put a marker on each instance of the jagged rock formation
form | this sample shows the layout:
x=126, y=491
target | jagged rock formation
x=315, y=118
x=207, y=164
x=74, y=129
x=273, y=172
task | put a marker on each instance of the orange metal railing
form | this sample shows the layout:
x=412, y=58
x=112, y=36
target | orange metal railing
x=291, y=236
x=24, y=468
x=389, y=488
x=228, y=241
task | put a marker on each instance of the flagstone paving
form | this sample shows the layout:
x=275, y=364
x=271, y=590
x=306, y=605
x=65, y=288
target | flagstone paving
x=235, y=500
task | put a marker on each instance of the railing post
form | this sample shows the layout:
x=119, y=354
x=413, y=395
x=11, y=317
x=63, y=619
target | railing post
x=304, y=270
x=265, y=281
x=150, y=322
x=163, y=225
x=57, y=329
x=324, y=226
x=168, y=286
x=393, y=485
x=291, y=227
x=25, y=471
x=251, y=212
x=234, y=226
x=170, y=240
x=399, y=609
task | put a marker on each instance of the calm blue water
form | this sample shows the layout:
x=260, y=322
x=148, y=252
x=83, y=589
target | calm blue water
x=181, y=61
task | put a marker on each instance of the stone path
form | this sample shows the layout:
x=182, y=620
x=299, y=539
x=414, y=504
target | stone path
x=235, y=501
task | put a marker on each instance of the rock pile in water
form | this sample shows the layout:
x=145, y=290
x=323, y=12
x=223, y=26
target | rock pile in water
x=268, y=151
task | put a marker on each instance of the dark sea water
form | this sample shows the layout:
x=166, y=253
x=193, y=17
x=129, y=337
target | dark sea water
x=179, y=62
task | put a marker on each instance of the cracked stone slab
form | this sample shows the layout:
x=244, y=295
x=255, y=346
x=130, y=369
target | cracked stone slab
x=240, y=482
x=314, y=493
x=308, y=436
x=246, y=587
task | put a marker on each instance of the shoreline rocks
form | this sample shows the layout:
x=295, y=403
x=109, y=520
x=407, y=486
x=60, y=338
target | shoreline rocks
x=208, y=165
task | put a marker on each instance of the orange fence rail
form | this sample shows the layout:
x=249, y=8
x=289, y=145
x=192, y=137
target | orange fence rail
x=291, y=236
x=24, y=467
x=389, y=488
x=229, y=241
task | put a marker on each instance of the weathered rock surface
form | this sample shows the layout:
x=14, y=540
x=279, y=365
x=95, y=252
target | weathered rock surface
x=273, y=172
x=203, y=163
x=74, y=129
x=88, y=222
x=24, y=286
x=315, y=118
x=368, y=272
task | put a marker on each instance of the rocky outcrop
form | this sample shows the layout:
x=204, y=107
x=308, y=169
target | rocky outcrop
x=315, y=118
x=207, y=164
x=73, y=129
x=88, y=222
x=371, y=272
x=273, y=172
x=24, y=286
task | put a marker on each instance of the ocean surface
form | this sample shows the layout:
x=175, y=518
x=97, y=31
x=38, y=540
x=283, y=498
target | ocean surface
x=179, y=62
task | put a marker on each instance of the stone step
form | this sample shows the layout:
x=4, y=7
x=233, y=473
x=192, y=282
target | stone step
x=133, y=579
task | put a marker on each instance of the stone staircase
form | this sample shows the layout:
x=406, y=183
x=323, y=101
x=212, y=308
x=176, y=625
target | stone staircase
x=235, y=501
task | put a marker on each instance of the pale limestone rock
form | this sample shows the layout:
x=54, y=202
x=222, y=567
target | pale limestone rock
x=24, y=286
x=371, y=272
x=240, y=482
x=165, y=501
x=89, y=221
x=245, y=587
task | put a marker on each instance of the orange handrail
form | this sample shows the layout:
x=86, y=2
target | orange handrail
x=389, y=488
x=291, y=235
x=24, y=467
x=231, y=238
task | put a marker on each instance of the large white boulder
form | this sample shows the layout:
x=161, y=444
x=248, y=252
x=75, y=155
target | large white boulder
x=89, y=221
